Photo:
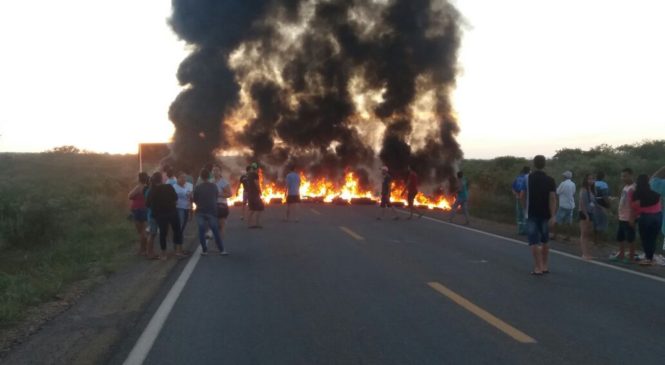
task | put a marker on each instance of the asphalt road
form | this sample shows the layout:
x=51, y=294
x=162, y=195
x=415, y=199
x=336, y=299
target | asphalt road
x=340, y=287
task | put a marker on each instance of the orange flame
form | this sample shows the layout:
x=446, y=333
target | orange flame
x=320, y=189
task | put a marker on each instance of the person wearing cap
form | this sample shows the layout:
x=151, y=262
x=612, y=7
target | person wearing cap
x=564, y=215
x=385, y=194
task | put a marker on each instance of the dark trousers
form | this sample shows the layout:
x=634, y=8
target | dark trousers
x=649, y=225
x=164, y=222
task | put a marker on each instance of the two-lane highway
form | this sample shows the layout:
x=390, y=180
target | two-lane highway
x=340, y=287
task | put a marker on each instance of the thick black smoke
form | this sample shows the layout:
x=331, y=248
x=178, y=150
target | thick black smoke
x=327, y=84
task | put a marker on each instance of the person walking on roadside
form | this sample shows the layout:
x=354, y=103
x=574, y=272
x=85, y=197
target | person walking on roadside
x=184, y=191
x=647, y=206
x=540, y=207
x=140, y=212
x=462, y=199
x=162, y=200
x=519, y=188
x=626, y=231
x=657, y=183
x=255, y=203
x=206, y=199
x=292, y=193
x=564, y=215
x=587, y=209
x=242, y=183
x=412, y=191
x=386, y=188
x=224, y=192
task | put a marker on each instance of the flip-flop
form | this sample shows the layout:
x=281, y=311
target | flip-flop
x=546, y=272
x=536, y=273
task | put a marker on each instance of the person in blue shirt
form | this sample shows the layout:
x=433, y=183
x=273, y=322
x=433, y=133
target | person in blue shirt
x=462, y=199
x=519, y=188
x=292, y=193
x=600, y=219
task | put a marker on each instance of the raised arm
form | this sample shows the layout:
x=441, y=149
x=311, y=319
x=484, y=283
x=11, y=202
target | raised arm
x=660, y=173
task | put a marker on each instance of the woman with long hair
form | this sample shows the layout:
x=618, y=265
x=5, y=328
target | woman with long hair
x=140, y=212
x=587, y=206
x=648, y=208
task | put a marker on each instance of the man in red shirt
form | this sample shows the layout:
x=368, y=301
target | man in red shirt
x=412, y=191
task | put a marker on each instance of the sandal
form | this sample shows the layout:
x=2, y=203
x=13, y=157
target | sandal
x=536, y=273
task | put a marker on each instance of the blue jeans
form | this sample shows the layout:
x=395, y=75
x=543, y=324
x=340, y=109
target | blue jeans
x=183, y=216
x=519, y=217
x=649, y=225
x=538, y=230
x=206, y=221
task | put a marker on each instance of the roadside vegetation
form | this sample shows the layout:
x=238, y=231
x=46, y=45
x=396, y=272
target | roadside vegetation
x=491, y=180
x=63, y=217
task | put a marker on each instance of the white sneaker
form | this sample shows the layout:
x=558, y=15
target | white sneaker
x=223, y=253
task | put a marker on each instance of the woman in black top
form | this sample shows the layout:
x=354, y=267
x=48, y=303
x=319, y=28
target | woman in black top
x=162, y=201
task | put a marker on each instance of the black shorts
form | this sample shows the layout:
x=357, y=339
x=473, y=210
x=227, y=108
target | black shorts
x=222, y=211
x=411, y=195
x=625, y=233
x=256, y=204
x=290, y=199
x=385, y=201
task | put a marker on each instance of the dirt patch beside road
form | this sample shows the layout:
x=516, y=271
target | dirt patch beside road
x=90, y=318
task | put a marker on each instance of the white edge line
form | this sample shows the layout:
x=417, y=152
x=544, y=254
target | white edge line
x=149, y=335
x=656, y=278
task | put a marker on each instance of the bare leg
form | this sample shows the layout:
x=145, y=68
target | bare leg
x=546, y=257
x=222, y=224
x=143, y=240
x=536, y=252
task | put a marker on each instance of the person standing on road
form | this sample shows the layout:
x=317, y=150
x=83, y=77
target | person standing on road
x=242, y=183
x=647, y=205
x=519, y=189
x=254, y=200
x=224, y=192
x=162, y=200
x=626, y=230
x=587, y=209
x=184, y=191
x=412, y=191
x=140, y=212
x=658, y=185
x=386, y=188
x=292, y=193
x=540, y=208
x=205, y=197
x=564, y=215
x=462, y=199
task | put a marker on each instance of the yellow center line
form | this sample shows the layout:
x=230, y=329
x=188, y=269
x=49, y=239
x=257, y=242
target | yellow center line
x=352, y=233
x=511, y=331
x=315, y=211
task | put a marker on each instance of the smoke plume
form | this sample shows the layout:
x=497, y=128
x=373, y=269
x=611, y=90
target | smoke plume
x=327, y=84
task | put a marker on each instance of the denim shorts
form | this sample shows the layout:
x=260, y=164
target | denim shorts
x=564, y=216
x=538, y=231
x=140, y=215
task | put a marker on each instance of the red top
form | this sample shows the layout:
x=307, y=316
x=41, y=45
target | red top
x=138, y=201
x=412, y=182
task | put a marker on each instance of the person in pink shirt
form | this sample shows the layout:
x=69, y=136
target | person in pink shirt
x=626, y=231
x=647, y=206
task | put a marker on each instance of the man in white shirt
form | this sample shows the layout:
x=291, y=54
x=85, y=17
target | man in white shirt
x=566, y=194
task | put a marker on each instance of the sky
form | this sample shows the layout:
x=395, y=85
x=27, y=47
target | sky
x=536, y=75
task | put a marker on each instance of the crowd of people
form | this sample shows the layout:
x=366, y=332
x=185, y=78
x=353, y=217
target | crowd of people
x=165, y=200
x=543, y=209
